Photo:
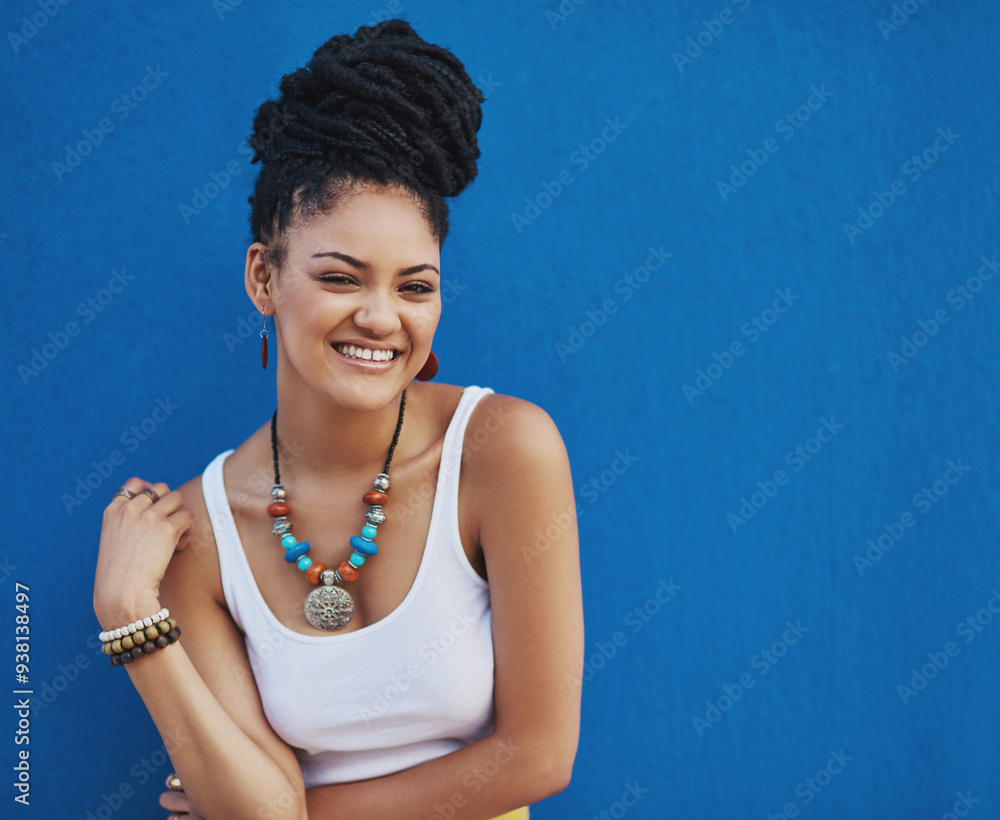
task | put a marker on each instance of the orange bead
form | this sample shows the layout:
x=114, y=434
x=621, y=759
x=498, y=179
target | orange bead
x=278, y=508
x=347, y=572
x=314, y=571
x=375, y=497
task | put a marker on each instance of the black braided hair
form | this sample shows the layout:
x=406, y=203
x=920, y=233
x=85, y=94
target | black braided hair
x=383, y=107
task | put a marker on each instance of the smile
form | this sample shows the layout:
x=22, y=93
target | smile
x=365, y=353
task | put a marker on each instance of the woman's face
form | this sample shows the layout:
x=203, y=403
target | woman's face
x=366, y=274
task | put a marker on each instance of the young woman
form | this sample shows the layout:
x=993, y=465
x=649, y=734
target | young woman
x=371, y=626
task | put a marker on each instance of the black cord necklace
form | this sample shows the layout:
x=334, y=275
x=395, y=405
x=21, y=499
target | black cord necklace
x=330, y=606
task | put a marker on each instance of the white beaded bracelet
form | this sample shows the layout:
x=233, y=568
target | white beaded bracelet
x=132, y=628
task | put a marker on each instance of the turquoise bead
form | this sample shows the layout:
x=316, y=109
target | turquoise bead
x=363, y=545
x=296, y=552
x=288, y=541
x=305, y=562
x=369, y=532
x=356, y=560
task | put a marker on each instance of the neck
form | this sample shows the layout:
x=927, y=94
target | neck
x=320, y=440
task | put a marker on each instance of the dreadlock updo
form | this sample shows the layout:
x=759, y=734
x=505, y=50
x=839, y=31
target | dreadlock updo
x=383, y=107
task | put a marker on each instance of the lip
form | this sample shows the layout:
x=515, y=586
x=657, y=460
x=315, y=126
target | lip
x=367, y=365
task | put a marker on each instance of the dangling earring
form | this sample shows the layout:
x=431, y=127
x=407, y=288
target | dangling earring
x=263, y=342
x=430, y=368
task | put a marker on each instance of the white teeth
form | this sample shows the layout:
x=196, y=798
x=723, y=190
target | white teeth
x=367, y=354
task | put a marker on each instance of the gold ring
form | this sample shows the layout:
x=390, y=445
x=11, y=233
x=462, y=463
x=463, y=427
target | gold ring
x=125, y=492
x=174, y=783
x=151, y=493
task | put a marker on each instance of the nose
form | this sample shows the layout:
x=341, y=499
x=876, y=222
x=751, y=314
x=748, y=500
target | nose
x=377, y=312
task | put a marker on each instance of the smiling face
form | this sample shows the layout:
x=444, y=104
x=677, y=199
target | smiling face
x=357, y=299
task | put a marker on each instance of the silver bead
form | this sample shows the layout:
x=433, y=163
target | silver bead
x=375, y=515
x=330, y=576
x=282, y=526
x=277, y=493
x=381, y=482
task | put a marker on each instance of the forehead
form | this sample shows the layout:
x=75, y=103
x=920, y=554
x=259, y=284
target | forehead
x=373, y=224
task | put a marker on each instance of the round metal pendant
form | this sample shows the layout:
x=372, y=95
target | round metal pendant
x=330, y=608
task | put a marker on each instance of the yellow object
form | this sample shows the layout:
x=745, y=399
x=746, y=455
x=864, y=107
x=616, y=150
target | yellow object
x=517, y=814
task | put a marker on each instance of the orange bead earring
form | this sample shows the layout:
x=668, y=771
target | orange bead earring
x=430, y=368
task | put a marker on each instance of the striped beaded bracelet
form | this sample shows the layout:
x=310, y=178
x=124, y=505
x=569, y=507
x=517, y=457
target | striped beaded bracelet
x=135, y=626
x=132, y=647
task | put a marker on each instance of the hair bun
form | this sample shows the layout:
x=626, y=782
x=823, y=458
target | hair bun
x=385, y=99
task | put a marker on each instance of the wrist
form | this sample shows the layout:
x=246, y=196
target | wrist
x=114, y=614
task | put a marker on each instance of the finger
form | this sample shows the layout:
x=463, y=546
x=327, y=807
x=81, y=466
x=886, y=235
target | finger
x=175, y=801
x=133, y=485
x=184, y=540
x=160, y=488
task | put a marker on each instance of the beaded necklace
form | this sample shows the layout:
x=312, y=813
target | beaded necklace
x=330, y=607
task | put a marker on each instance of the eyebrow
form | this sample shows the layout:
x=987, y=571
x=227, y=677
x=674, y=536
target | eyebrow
x=357, y=263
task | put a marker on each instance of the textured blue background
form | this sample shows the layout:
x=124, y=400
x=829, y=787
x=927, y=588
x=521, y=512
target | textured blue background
x=555, y=75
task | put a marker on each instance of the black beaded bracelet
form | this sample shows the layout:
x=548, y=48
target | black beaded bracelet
x=138, y=650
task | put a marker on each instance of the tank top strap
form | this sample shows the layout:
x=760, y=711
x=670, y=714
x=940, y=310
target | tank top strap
x=446, y=529
x=238, y=584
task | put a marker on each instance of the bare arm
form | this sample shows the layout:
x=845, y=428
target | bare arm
x=521, y=479
x=199, y=691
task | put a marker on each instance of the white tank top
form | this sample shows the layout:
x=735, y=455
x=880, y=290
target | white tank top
x=411, y=687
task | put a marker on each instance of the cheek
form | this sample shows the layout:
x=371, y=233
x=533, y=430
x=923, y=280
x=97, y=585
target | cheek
x=426, y=321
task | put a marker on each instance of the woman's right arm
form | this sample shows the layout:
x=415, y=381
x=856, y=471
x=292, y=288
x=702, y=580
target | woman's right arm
x=199, y=691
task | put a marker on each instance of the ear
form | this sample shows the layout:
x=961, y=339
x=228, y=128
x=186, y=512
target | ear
x=257, y=277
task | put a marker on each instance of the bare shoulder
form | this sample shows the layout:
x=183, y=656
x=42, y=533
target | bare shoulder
x=194, y=570
x=505, y=431
x=512, y=450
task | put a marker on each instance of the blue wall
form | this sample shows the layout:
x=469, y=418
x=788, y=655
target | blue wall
x=745, y=254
